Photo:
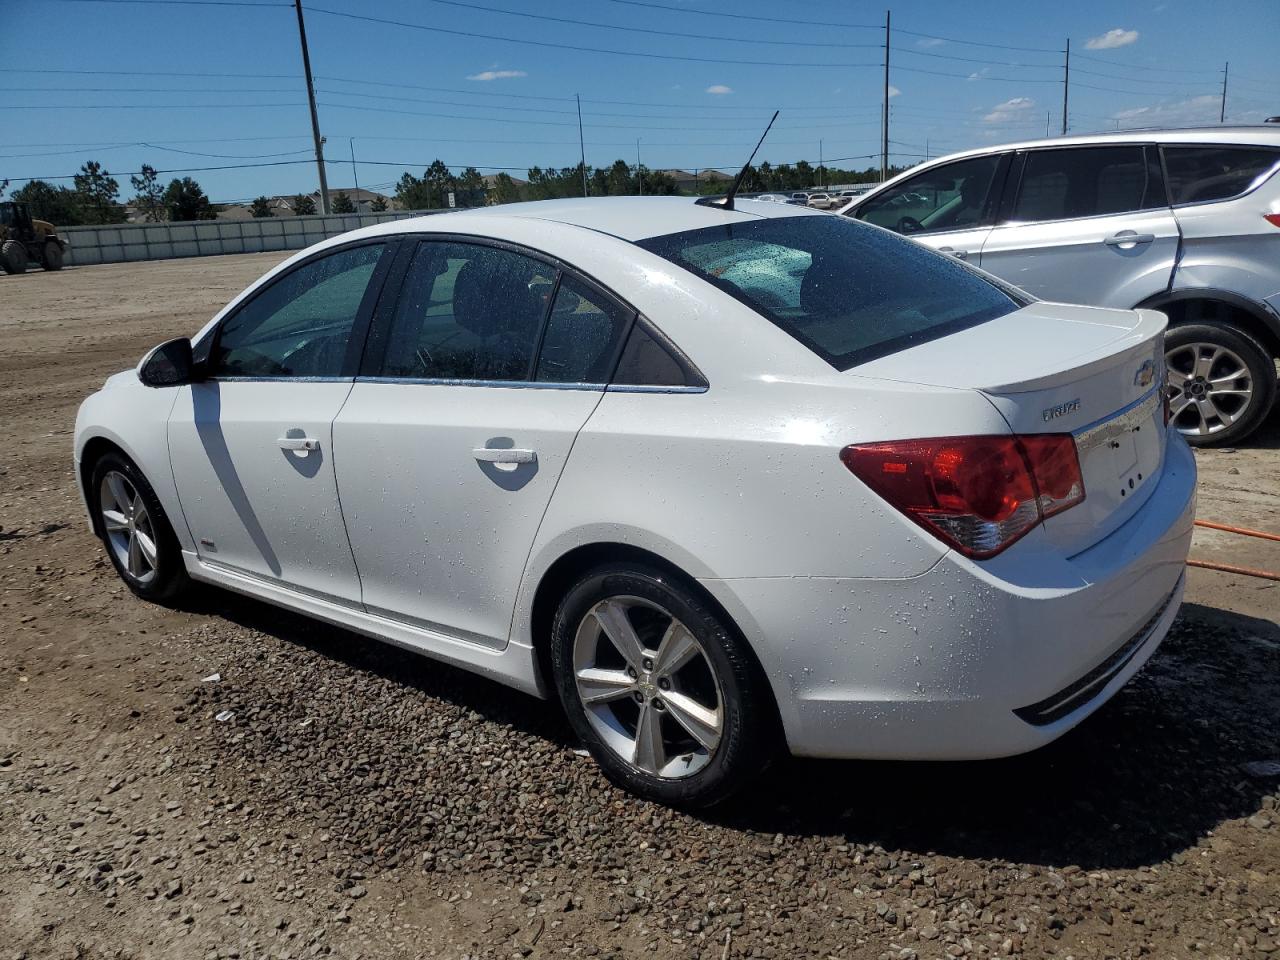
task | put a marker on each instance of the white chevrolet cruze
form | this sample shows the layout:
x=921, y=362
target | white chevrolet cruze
x=724, y=480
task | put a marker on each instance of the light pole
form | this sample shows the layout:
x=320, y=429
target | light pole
x=351, y=142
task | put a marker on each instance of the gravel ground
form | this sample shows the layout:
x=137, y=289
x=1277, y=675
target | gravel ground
x=326, y=795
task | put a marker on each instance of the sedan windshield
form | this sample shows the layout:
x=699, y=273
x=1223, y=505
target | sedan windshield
x=847, y=291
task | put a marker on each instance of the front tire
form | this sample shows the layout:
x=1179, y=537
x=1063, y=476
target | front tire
x=135, y=530
x=1221, y=382
x=53, y=255
x=661, y=691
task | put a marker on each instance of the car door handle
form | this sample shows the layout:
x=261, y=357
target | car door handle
x=298, y=443
x=958, y=254
x=1128, y=236
x=503, y=455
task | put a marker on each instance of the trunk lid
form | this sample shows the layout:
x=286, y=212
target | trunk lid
x=1053, y=368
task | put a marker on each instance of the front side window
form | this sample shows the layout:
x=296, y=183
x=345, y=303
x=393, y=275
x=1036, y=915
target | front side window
x=953, y=196
x=1086, y=182
x=1198, y=174
x=468, y=312
x=300, y=325
x=845, y=291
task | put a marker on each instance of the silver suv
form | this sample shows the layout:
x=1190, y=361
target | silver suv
x=1183, y=221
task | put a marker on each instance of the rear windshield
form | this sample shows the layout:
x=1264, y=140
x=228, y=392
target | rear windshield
x=847, y=291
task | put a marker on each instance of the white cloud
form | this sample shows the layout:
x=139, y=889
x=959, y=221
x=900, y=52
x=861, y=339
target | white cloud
x=1112, y=39
x=1010, y=110
x=1202, y=109
x=928, y=42
x=979, y=74
x=497, y=75
x=893, y=91
x=719, y=89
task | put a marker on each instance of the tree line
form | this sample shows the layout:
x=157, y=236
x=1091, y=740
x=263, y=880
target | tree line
x=94, y=197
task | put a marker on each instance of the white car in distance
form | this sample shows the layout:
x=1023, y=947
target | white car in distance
x=723, y=481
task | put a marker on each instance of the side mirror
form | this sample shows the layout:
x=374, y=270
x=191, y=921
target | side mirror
x=168, y=365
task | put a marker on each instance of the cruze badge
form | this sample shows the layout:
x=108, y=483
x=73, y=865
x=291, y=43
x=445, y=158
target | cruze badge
x=1061, y=410
x=1146, y=374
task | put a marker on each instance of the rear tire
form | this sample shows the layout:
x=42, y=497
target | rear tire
x=676, y=709
x=52, y=256
x=13, y=257
x=135, y=531
x=1221, y=382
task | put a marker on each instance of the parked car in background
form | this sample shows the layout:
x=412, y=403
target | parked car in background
x=772, y=197
x=846, y=195
x=723, y=482
x=800, y=196
x=822, y=201
x=1183, y=221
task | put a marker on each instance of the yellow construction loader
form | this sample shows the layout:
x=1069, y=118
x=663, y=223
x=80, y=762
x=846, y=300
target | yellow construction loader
x=23, y=240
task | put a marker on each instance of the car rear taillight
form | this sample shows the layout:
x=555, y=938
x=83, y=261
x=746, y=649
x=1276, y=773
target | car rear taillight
x=1272, y=218
x=978, y=494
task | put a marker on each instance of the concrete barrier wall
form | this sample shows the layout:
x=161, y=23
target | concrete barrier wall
x=118, y=243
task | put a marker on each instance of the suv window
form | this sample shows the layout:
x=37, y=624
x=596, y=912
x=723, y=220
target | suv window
x=845, y=291
x=468, y=312
x=300, y=325
x=1086, y=182
x=582, y=335
x=950, y=197
x=1202, y=173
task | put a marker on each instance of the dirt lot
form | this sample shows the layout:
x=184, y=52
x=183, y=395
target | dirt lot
x=366, y=803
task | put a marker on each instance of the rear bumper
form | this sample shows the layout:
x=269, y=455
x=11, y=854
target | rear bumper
x=971, y=660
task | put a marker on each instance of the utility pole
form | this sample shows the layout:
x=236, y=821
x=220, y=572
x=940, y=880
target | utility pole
x=884, y=122
x=1222, y=117
x=1046, y=123
x=351, y=142
x=639, y=179
x=582, y=147
x=315, y=119
x=1066, y=83
x=926, y=149
x=822, y=173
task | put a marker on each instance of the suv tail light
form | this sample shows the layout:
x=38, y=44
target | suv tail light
x=977, y=494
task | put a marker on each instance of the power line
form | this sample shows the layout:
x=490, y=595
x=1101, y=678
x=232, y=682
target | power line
x=569, y=46
x=743, y=16
x=979, y=43
x=143, y=106
x=994, y=63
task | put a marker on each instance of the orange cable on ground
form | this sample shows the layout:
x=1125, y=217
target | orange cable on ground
x=1230, y=567
x=1243, y=531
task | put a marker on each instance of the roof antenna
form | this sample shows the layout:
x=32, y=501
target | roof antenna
x=726, y=202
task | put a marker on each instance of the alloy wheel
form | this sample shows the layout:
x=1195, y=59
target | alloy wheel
x=649, y=689
x=1209, y=387
x=128, y=527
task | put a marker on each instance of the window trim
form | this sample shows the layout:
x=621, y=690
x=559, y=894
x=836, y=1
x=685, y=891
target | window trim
x=1013, y=186
x=360, y=326
x=1258, y=184
x=371, y=364
x=990, y=208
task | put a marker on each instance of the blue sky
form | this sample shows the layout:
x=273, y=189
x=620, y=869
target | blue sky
x=961, y=74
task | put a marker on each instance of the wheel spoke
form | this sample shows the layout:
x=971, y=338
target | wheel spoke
x=1209, y=408
x=119, y=492
x=701, y=723
x=1241, y=374
x=676, y=649
x=1176, y=378
x=598, y=685
x=1206, y=356
x=1225, y=392
x=114, y=521
x=613, y=620
x=650, y=752
x=147, y=546
x=134, y=563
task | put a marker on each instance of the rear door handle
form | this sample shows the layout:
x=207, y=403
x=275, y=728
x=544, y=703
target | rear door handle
x=1128, y=236
x=503, y=455
x=303, y=444
x=958, y=254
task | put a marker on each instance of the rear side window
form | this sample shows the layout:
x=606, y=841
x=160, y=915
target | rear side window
x=1198, y=174
x=1086, y=182
x=582, y=336
x=847, y=291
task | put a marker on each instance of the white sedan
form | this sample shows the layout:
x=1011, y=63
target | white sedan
x=724, y=481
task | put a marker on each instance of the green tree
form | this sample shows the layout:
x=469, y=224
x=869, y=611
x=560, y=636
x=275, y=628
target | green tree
x=304, y=205
x=413, y=193
x=186, y=201
x=379, y=204
x=4, y=185
x=148, y=195
x=441, y=181
x=618, y=181
x=471, y=189
x=261, y=207
x=59, y=205
x=97, y=193
x=659, y=183
x=342, y=204
x=505, y=190
x=550, y=184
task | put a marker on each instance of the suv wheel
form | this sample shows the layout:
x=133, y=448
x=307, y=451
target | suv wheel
x=661, y=692
x=1221, y=382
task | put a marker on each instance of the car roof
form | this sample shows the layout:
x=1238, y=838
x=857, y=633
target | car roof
x=627, y=218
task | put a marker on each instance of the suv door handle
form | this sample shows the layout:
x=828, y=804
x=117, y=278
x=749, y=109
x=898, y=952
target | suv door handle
x=1128, y=236
x=503, y=455
x=958, y=254
x=303, y=444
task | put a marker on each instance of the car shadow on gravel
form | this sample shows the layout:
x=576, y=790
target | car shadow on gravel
x=1144, y=778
